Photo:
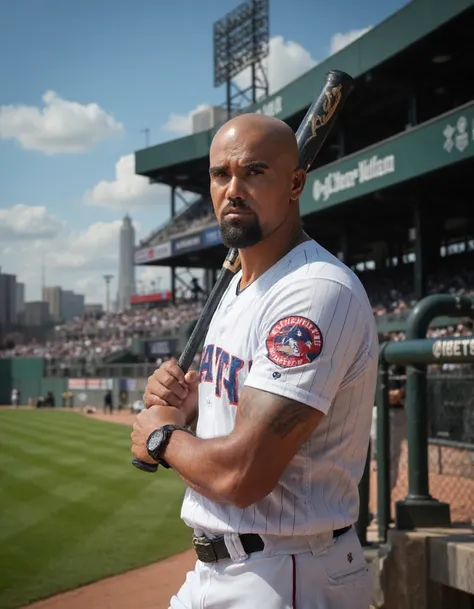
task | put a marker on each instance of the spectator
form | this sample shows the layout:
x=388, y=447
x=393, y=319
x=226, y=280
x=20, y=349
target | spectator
x=108, y=402
x=15, y=397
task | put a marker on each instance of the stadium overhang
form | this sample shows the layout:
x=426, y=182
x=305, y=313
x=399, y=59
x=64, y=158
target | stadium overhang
x=200, y=249
x=372, y=197
x=414, y=37
x=445, y=140
x=367, y=196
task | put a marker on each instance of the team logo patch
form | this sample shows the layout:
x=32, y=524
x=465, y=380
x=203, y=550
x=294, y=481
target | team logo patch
x=294, y=341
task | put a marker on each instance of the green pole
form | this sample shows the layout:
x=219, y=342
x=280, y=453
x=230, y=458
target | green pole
x=417, y=432
x=419, y=509
x=362, y=523
x=383, y=448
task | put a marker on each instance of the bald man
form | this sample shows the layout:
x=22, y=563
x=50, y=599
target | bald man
x=283, y=400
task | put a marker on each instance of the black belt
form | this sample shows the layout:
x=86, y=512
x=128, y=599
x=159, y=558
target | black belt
x=212, y=550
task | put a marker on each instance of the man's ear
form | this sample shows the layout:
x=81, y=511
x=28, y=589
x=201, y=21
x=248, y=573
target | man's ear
x=299, y=181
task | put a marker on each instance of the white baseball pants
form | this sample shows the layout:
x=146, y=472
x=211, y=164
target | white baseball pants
x=294, y=573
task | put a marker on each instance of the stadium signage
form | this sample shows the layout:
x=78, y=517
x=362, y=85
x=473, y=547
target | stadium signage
x=211, y=236
x=147, y=298
x=80, y=384
x=191, y=243
x=157, y=348
x=458, y=347
x=419, y=150
x=187, y=244
x=155, y=252
x=457, y=136
x=366, y=170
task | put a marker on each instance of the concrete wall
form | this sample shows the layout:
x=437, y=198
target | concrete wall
x=425, y=569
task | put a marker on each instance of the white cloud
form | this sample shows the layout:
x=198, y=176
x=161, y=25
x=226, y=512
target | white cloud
x=287, y=60
x=61, y=126
x=343, y=39
x=98, y=245
x=181, y=123
x=77, y=259
x=73, y=259
x=26, y=222
x=128, y=191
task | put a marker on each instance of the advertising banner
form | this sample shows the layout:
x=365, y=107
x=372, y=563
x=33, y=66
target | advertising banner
x=155, y=252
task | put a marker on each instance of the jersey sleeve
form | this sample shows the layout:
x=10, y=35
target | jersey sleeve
x=310, y=339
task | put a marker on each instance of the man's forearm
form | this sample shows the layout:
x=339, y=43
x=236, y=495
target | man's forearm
x=207, y=466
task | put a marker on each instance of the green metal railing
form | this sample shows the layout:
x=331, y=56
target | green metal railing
x=363, y=521
x=419, y=508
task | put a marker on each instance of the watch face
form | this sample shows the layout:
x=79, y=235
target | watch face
x=155, y=440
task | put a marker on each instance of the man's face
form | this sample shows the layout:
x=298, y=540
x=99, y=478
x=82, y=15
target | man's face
x=251, y=184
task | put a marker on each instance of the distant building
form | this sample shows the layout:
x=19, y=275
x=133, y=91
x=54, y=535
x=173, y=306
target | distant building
x=8, y=312
x=126, y=280
x=53, y=296
x=72, y=305
x=37, y=313
x=20, y=302
x=63, y=304
x=207, y=118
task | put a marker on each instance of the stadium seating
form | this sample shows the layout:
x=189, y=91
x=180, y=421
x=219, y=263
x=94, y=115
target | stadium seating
x=199, y=214
x=94, y=337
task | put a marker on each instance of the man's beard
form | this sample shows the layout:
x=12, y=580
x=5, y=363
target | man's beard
x=241, y=235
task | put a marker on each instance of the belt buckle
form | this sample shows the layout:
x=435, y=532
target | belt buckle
x=204, y=549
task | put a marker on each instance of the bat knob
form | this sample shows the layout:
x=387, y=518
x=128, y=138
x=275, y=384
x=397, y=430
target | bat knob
x=144, y=466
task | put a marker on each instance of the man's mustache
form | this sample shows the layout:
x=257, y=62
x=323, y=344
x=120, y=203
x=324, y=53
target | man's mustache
x=236, y=205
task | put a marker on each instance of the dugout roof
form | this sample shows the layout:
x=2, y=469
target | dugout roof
x=402, y=53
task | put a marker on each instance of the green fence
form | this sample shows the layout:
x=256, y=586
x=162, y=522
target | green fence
x=24, y=374
x=5, y=380
x=419, y=508
x=451, y=407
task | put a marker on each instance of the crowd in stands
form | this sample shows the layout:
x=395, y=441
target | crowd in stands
x=392, y=303
x=461, y=329
x=198, y=215
x=93, y=337
x=395, y=297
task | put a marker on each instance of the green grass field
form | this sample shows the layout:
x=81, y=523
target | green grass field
x=72, y=507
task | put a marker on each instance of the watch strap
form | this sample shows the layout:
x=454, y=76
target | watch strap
x=167, y=431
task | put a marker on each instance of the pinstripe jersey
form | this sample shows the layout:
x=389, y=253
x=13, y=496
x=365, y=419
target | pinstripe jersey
x=305, y=330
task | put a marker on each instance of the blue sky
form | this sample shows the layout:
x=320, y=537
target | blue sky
x=79, y=83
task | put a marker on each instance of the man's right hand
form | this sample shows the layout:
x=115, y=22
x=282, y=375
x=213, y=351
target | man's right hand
x=169, y=386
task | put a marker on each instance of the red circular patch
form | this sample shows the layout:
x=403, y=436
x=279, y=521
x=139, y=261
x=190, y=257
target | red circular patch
x=294, y=341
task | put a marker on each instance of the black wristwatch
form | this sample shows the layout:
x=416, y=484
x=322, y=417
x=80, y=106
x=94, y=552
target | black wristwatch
x=158, y=440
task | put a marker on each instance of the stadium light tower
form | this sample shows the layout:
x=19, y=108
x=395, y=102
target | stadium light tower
x=107, y=279
x=241, y=41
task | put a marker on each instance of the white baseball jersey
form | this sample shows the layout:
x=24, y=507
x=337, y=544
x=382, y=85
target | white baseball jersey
x=305, y=330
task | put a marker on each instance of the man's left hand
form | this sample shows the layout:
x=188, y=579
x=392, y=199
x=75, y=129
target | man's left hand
x=147, y=421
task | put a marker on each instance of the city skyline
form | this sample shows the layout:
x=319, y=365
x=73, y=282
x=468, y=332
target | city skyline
x=64, y=304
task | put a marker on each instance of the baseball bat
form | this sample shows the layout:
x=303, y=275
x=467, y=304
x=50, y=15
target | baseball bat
x=310, y=136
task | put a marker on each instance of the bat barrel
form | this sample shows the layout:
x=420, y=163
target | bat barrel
x=321, y=116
